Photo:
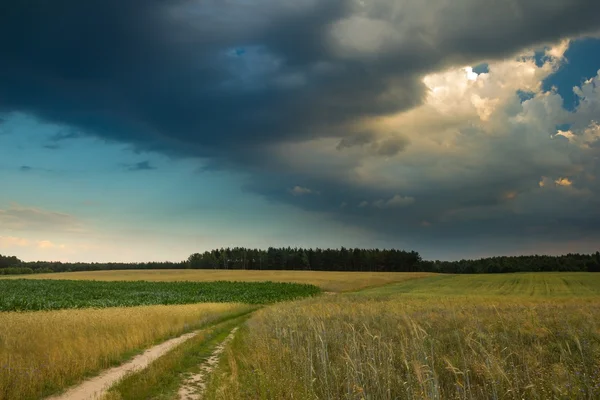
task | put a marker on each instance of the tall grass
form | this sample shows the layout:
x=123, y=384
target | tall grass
x=349, y=347
x=44, y=352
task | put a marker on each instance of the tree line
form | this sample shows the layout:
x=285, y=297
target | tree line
x=342, y=259
x=288, y=258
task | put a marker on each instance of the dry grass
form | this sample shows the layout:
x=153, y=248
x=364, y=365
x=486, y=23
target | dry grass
x=44, y=352
x=461, y=346
x=328, y=281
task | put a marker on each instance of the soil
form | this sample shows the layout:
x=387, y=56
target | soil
x=193, y=387
x=96, y=387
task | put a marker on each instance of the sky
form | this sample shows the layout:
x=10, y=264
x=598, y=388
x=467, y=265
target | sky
x=150, y=130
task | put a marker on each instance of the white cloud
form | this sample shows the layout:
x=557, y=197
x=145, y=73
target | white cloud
x=472, y=76
x=558, y=51
x=12, y=241
x=300, y=191
x=396, y=201
x=563, y=182
x=17, y=217
x=474, y=140
x=399, y=201
x=567, y=134
x=588, y=138
x=47, y=244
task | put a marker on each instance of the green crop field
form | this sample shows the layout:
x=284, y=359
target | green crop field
x=24, y=295
x=546, y=284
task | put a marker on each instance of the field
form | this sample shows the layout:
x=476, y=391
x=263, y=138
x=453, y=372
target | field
x=530, y=285
x=328, y=281
x=43, y=352
x=24, y=295
x=409, y=336
x=513, y=336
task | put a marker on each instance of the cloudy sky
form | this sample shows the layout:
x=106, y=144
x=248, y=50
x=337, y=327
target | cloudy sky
x=147, y=130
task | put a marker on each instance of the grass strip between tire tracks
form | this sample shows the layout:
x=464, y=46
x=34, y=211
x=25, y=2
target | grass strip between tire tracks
x=163, y=377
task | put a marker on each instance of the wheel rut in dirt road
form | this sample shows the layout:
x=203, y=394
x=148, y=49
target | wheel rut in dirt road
x=193, y=386
x=96, y=387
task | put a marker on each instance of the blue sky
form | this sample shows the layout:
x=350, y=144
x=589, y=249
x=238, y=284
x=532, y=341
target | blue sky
x=321, y=124
x=114, y=211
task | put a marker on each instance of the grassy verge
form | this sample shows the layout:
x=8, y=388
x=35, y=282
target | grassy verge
x=42, y=353
x=516, y=342
x=163, y=377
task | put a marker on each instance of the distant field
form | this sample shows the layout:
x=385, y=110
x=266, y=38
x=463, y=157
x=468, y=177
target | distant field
x=30, y=295
x=328, y=281
x=541, y=284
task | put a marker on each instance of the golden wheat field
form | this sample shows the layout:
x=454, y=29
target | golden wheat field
x=326, y=280
x=475, y=339
x=43, y=352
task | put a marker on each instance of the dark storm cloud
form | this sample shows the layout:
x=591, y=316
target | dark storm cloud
x=139, y=166
x=54, y=141
x=65, y=135
x=387, y=147
x=164, y=74
x=360, y=139
x=30, y=169
x=227, y=80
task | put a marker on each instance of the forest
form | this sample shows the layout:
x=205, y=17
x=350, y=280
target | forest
x=342, y=259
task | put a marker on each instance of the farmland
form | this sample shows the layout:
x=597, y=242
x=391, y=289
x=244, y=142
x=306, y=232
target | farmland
x=29, y=295
x=530, y=285
x=417, y=336
x=511, y=336
x=45, y=351
x=328, y=281
x=53, y=333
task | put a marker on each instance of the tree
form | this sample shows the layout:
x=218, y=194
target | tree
x=304, y=262
x=595, y=265
x=9, y=261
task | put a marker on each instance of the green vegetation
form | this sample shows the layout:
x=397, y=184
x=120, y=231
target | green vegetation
x=551, y=284
x=342, y=259
x=9, y=261
x=23, y=295
x=162, y=378
x=16, y=271
x=510, y=336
